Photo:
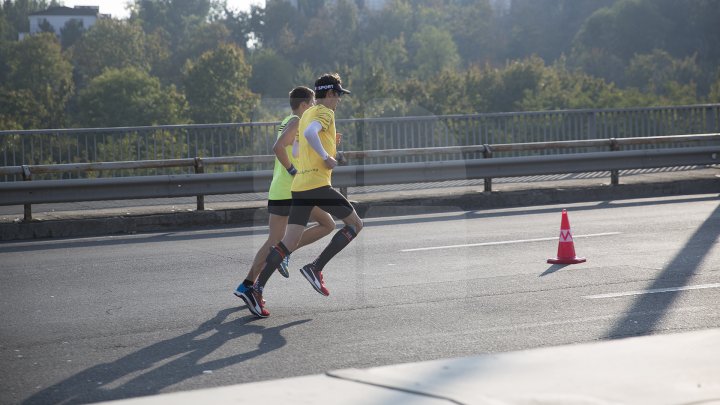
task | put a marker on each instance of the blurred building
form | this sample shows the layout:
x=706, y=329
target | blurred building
x=369, y=4
x=57, y=17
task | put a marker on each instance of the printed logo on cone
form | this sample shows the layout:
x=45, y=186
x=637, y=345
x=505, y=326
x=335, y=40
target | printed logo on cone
x=565, y=236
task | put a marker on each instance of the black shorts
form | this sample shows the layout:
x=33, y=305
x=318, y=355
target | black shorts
x=279, y=207
x=326, y=198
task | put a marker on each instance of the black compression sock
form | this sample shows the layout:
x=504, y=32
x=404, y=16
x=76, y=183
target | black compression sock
x=341, y=239
x=273, y=260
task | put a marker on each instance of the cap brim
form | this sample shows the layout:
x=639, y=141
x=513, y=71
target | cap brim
x=345, y=91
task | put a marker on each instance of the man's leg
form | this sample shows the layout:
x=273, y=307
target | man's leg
x=325, y=225
x=337, y=205
x=293, y=233
x=245, y=290
x=277, y=225
x=342, y=238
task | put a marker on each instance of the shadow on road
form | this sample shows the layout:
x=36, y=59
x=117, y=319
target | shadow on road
x=553, y=269
x=647, y=311
x=180, y=358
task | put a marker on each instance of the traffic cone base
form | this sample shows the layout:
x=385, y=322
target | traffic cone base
x=567, y=260
x=566, y=246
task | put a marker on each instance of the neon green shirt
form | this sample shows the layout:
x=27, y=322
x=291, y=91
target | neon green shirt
x=282, y=180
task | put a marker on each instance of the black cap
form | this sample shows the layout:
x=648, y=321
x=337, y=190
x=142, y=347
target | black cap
x=330, y=81
x=335, y=86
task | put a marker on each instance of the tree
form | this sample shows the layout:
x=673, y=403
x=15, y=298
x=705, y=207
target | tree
x=617, y=29
x=185, y=26
x=546, y=27
x=471, y=26
x=110, y=44
x=129, y=97
x=268, y=24
x=216, y=86
x=19, y=110
x=36, y=68
x=71, y=33
x=654, y=72
x=714, y=96
x=329, y=39
x=436, y=52
x=561, y=89
x=45, y=26
x=272, y=75
x=201, y=39
x=177, y=17
x=239, y=25
x=395, y=20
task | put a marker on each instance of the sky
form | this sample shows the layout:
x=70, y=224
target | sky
x=116, y=8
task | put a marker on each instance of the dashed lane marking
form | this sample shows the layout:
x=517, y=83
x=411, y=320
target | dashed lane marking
x=505, y=242
x=653, y=291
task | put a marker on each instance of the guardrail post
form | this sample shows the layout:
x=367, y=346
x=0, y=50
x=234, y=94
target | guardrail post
x=710, y=123
x=27, y=208
x=340, y=157
x=614, y=174
x=487, y=154
x=200, y=168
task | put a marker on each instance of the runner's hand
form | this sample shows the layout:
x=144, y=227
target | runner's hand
x=330, y=162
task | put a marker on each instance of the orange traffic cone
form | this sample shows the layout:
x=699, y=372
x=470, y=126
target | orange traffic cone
x=566, y=247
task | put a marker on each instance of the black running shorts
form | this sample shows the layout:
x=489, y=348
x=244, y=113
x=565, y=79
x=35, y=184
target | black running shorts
x=326, y=198
x=279, y=207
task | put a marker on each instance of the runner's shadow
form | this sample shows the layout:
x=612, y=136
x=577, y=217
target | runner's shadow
x=182, y=357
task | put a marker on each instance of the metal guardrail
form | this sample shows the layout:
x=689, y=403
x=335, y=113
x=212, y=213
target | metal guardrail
x=201, y=184
x=170, y=142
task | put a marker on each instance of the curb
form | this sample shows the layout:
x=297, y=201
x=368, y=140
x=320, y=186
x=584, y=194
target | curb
x=82, y=227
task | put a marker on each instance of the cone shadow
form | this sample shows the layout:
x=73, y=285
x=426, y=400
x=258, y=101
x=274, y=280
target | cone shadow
x=553, y=269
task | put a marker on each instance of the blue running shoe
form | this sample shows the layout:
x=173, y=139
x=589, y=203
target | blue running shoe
x=253, y=300
x=284, y=264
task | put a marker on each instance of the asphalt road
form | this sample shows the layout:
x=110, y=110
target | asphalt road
x=85, y=320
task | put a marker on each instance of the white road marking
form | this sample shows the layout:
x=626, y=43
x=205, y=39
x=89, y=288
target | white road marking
x=653, y=291
x=505, y=242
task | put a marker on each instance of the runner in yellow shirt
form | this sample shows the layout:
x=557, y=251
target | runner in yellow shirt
x=312, y=188
x=279, y=199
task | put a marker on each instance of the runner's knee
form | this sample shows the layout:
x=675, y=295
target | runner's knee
x=355, y=223
x=327, y=224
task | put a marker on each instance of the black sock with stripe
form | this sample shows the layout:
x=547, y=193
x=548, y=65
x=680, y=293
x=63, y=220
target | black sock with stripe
x=273, y=260
x=342, y=238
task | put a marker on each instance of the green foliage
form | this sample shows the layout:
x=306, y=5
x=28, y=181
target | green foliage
x=654, y=72
x=129, y=97
x=410, y=57
x=435, y=53
x=71, y=33
x=216, y=86
x=714, y=95
x=110, y=44
x=45, y=26
x=20, y=110
x=36, y=68
x=272, y=75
